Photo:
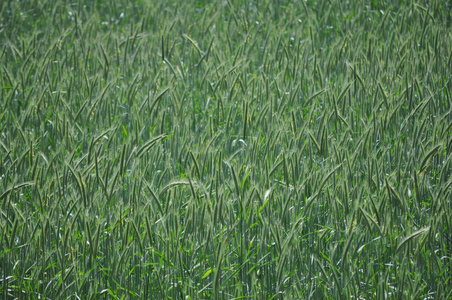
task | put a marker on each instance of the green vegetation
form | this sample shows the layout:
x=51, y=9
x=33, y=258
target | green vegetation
x=225, y=149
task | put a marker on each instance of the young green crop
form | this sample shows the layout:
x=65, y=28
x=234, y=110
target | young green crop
x=225, y=150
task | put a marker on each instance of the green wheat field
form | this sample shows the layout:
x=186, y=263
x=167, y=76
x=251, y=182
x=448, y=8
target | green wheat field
x=226, y=149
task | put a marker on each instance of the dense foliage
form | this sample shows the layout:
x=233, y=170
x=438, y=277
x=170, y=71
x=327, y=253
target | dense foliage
x=225, y=149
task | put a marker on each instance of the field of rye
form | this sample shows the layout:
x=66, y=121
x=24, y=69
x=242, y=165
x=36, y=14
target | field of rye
x=225, y=149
